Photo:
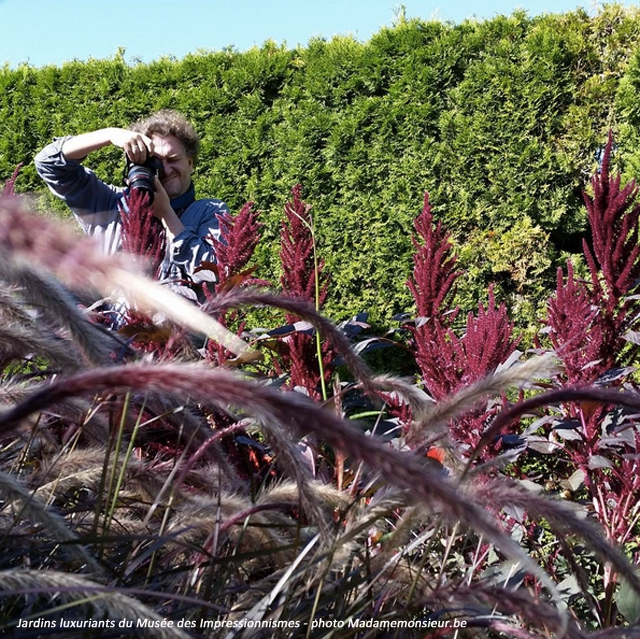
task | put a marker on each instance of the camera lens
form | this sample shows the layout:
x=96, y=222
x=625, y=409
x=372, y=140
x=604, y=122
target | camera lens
x=140, y=176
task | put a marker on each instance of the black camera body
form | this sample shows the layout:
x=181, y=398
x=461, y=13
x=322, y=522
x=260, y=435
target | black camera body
x=140, y=176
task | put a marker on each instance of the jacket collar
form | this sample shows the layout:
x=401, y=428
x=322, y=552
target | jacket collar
x=180, y=203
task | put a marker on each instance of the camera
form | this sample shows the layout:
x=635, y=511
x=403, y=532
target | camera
x=140, y=176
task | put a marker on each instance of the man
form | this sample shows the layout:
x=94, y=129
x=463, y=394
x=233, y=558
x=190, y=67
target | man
x=188, y=222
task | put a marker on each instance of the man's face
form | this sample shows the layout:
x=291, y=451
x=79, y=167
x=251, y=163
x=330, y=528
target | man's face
x=176, y=166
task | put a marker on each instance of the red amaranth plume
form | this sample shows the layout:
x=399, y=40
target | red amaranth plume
x=142, y=233
x=587, y=322
x=433, y=277
x=446, y=361
x=575, y=330
x=297, y=252
x=239, y=236
x=613, y=218
x=432, y=282
x=587, y=325
x=487, y=342
x=9, y=187
x=143, y=237
x=303, y=277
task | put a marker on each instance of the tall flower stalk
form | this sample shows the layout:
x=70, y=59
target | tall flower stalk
x=448, y=362
x=239, y=236
x=303, y=276
x=142, y=233
x=588, y=324
x=8, y=190
x=144, y=238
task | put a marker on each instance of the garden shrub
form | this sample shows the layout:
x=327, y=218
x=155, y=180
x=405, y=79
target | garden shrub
x=499, y=120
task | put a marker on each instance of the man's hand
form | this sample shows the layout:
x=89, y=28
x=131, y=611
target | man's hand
x=136, y=145
x=163, y=211
x=161, y=201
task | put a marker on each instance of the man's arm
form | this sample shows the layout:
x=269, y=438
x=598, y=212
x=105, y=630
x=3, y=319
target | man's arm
x=136, y=145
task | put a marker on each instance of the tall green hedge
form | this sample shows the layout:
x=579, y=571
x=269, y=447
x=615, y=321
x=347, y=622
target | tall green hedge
x=499, y=120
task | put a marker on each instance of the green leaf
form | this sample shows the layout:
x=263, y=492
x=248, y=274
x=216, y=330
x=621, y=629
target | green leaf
x=628, y=602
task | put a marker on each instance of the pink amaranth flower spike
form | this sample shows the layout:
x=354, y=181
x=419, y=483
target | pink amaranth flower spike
x=434, y=276
x=300, y=271
x=9, y=187
x=239, y=236
x=142, y=233
x=449, y=362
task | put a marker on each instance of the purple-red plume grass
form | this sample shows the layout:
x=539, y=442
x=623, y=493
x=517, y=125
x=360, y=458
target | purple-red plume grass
x=221, y=388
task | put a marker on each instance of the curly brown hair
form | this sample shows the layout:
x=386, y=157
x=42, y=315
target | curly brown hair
x=170, y=122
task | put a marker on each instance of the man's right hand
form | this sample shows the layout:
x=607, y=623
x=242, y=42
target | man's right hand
x=136, y=145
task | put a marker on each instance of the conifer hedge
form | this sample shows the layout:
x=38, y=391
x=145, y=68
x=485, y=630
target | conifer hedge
x=499, y=120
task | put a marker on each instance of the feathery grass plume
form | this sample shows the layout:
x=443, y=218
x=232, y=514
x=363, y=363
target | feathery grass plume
x=78, y=413
x=360, y=515
x=8, y=190
x=12, y=307
x=90, y=600
x=612, y=495
x=616, y=633
x=518, y=375
x=233, y=521
x=508, y=608
x=192, y=516
x=197, y=432
x=143, y=235
x=613, y=491
x=303, y=309
x=221, y=388
x=292, y=463
x=32, y=509
x=83, y=468
x=59, y=308
x=419, y=402
x=286, y=450
x=287, y=492
x=303, y=276
x=597, y=394
x=17, y=342
x=32, y=239
x=562, y=518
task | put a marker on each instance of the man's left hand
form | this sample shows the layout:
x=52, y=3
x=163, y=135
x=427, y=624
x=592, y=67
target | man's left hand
x=163, y=211
x=161, y=201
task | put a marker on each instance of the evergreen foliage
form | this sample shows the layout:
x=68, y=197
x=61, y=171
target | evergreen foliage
x=498, y=120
